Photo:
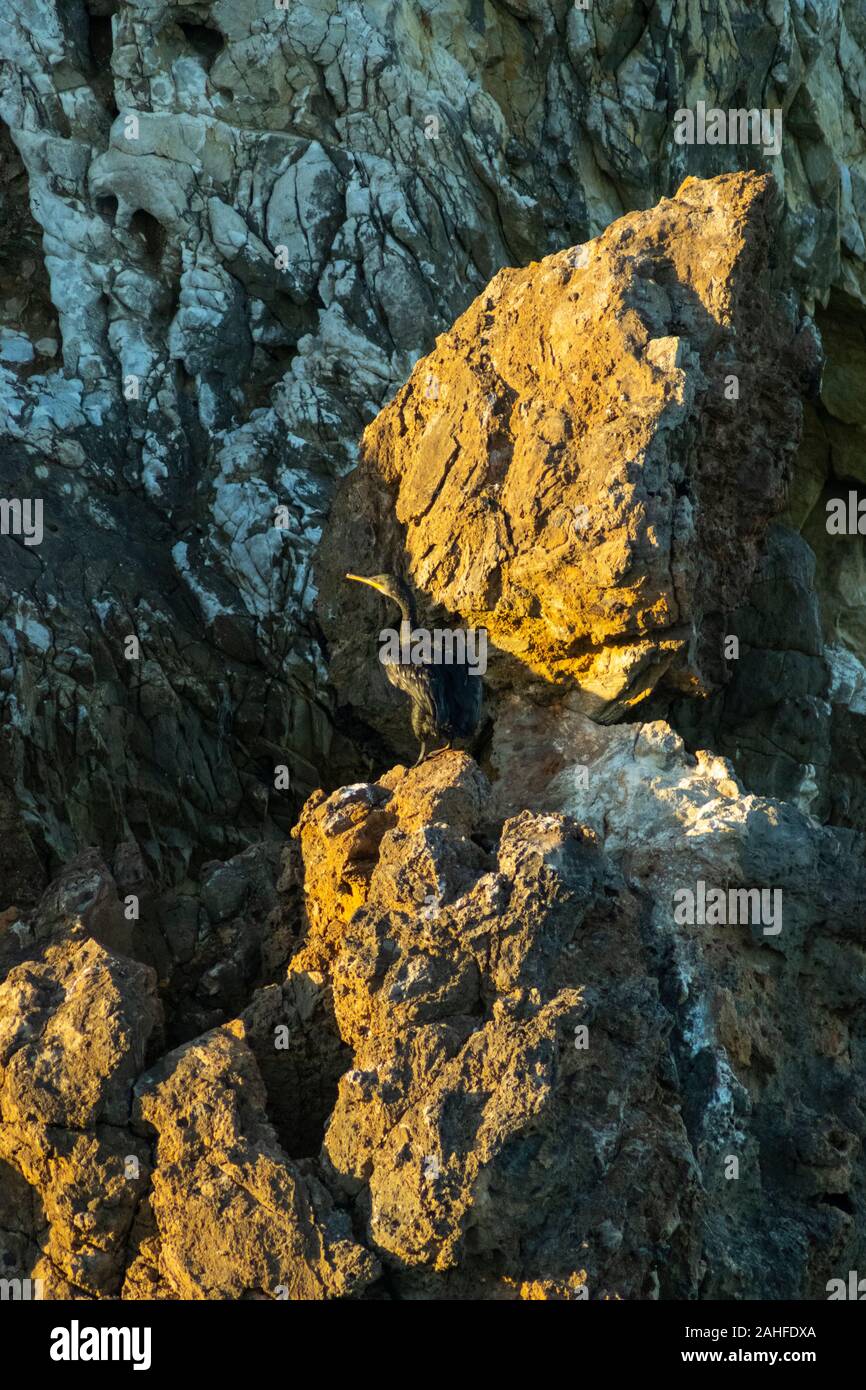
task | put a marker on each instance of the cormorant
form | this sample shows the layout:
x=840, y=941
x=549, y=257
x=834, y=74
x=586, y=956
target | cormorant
x=446, y=699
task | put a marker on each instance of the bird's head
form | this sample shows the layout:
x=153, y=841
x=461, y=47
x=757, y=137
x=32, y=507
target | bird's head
x=392, y=588
x=387, y=584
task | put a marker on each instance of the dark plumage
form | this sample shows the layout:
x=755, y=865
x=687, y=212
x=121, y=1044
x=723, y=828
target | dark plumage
x=446, y=700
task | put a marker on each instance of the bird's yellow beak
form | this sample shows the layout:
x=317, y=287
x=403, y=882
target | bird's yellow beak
x=360, y=579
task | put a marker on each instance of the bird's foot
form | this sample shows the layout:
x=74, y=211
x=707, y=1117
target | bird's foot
x=446, y=748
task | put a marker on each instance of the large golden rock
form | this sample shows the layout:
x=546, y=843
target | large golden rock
x=586, y=463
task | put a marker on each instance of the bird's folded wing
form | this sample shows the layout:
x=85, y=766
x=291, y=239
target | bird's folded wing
x=420, y=685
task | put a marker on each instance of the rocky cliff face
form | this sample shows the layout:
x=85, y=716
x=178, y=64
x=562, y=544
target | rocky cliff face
x=456, y=1035
x=253, y=221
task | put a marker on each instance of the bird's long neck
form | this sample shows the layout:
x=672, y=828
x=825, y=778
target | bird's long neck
x=406, y=603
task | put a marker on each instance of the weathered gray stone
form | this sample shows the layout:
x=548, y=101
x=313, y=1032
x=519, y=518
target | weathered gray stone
x=400, y=158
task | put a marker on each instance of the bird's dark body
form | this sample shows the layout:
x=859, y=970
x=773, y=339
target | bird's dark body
x=446, y=699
